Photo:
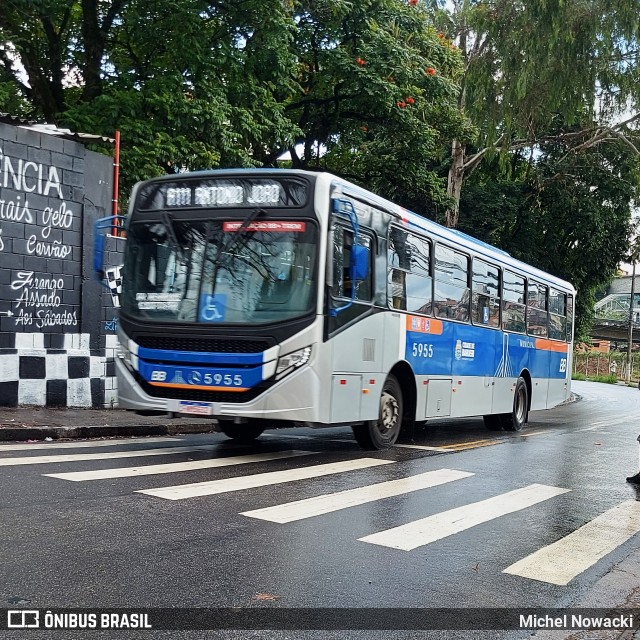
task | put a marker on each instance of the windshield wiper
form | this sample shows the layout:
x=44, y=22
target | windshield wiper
x=167, y=220
x=239, y=236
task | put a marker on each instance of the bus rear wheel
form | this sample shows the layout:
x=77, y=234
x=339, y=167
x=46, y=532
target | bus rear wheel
x=383, y=432
x=518, y=417
x=240, y=432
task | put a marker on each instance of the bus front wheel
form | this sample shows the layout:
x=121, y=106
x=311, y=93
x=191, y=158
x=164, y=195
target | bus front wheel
x=516, y=420
x=383, y=432
x=242, y=432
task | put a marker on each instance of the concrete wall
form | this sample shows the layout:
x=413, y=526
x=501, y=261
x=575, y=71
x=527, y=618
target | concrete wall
x=57, y=324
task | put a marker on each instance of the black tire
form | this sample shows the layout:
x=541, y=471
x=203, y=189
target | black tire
x=240, y=432
x=519, y=415
x=493, y=422
x=383, y=432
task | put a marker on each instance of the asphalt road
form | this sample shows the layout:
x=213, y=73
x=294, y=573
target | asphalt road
x=509, y=520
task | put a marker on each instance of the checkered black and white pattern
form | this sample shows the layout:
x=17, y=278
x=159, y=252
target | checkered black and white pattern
x=67, y=374
x=114, y=280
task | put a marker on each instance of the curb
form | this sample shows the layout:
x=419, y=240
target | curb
x=105, y=431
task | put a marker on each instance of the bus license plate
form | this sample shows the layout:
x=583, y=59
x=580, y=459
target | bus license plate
x=196, y=408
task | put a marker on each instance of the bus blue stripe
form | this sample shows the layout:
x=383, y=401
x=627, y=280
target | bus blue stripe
x=468, y=350
x=164, y=355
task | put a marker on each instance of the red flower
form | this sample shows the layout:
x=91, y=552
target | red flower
x=413, y=3
x=361, y=62
x=430, y=71
x=410, y=100
x=364, y=128
x=441, y=35
x=401, y=104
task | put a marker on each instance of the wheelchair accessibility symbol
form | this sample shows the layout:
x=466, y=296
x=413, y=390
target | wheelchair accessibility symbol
x=212, y=308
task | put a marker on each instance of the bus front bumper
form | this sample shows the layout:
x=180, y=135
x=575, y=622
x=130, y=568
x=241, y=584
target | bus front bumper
x=286, y=395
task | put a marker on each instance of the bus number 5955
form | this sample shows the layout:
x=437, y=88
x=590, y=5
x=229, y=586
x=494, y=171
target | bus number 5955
x=422, y=350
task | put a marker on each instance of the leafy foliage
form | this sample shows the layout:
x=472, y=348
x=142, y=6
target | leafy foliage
x=377, y=98
x=190, y=84
x=566, y=214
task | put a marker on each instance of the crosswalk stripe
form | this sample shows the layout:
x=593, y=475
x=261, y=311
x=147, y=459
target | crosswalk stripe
x=84, y=444
x=327, y=503
x=79, y=457
x=181, y=492
x=560, y=562
x=422, y=532
x=191, y=465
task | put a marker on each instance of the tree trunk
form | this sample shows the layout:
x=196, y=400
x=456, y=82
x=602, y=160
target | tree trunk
x=93, y=40
x=454, y=183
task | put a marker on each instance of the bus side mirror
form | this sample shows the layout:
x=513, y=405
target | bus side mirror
x=102, y=227
x=361, y=259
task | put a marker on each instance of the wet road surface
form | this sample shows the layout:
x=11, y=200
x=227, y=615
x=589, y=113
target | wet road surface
x=454, y=516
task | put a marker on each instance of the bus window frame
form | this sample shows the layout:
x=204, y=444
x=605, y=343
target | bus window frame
x=537, y=283
x=373, y=251
x=497, y=327
x=566, y=295
x=513, y=272
x=431, y=243
x=468, y=287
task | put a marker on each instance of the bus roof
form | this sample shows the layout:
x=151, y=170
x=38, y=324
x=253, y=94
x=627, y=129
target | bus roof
x=462, y=240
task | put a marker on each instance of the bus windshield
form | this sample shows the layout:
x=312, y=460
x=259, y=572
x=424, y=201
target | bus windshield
x=219, y=271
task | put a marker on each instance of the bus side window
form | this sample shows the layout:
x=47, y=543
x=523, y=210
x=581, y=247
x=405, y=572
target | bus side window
x=537, y=310
x=485, y=301
x=451, y=290
x=513, y=302
x=557, y=315
x=408, y=276
x=569, y=318
x=342, y=284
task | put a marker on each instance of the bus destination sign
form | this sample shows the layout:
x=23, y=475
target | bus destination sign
x=218, y=193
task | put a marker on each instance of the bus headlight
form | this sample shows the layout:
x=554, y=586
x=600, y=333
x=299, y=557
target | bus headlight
x=292, y=361
x=123, y=354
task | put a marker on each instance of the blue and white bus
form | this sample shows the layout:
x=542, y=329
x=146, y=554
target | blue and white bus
x=272, y=298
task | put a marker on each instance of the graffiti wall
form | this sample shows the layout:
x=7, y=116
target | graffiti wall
x=57, y=328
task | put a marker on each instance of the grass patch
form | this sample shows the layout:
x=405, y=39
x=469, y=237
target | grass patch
x=610, y=378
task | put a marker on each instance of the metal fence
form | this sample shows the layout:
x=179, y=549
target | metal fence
x=593, y=365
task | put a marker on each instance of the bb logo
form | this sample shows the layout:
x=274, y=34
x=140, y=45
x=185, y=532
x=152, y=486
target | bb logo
x=23, y=619
x=159, y=376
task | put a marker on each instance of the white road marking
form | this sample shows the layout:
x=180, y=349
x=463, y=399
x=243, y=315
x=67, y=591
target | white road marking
x=84, y=444
x=327, y=503
x=560, y=562
x=423, y=448
x=174, y=467
x=80, y=457
x=181, y=492
x=440, y=525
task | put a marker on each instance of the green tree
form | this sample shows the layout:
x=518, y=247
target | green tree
x=189, y=83
x=377, y=96
x=565, y=213
x=526, y=62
